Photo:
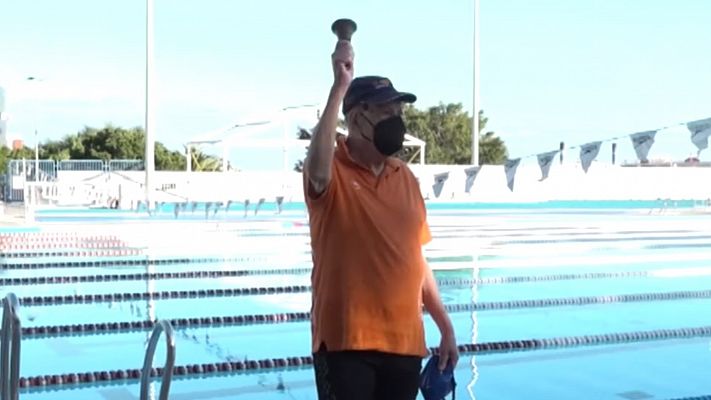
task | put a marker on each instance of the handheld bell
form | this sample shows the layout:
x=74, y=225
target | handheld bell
x=344, y=28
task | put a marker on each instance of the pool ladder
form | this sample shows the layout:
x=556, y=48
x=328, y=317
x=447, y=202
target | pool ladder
x=161, y=326
x=10, y=348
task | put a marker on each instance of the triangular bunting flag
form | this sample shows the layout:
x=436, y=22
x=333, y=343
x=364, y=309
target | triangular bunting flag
x=588, y=152
x=700, y=132
x=439, y=180
x=642, y=142
x=545, y=160
x=471, y=176
x=510, y=169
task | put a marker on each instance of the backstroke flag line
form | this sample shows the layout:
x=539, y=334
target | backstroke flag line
x=641, y=141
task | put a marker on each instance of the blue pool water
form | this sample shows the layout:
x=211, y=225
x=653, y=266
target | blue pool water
x=524, y=253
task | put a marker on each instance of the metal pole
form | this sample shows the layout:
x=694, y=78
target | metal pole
x=285, y=138
x=475, y=117
x=160, y=327
x=149, y=156
x=37, y=177
x=10, y=348
x=188, y=158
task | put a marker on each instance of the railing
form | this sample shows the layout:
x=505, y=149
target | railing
x=161, y=326
x=81, y=165
x=125, y=165
x=10, y=348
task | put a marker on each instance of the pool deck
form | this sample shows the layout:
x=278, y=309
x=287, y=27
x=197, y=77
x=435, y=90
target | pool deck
x=13, y=214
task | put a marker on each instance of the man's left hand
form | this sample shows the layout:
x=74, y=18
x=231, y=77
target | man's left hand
x=448, y=352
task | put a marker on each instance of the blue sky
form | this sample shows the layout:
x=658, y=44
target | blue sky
x=551, y=70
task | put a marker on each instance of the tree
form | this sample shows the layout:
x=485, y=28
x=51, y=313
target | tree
x=114, y=143
x=7, y=154
x=447, y=130
x=111, y=143
x=202, y=162
x=492, y=149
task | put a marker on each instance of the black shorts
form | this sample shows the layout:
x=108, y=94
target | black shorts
x=366, y=375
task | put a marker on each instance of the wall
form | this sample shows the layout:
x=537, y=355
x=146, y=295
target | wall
x=565, y=182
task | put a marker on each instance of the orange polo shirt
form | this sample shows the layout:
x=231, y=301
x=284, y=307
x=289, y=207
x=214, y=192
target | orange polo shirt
x=367, y=233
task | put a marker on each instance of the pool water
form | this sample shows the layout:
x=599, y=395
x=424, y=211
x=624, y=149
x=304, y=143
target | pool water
x=533, y=272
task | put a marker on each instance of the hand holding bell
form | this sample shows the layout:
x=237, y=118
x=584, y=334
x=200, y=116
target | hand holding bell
x=342, y=57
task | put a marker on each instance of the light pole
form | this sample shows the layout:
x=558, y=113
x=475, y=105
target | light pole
x=475, y=117
x=37, y=170
x=149, y=154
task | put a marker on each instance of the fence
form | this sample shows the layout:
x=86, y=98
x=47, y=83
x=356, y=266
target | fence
x=20, y=172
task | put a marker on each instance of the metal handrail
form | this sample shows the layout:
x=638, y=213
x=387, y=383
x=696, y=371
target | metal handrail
x=10, y=348
x=161, y=326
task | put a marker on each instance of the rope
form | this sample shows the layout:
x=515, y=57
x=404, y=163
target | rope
x=197, y=370
x=173, y=294
x=130, y=262
x=278, y=271
x=143, y=276
x=86, y=252
x=105, y=327
x=497, y=305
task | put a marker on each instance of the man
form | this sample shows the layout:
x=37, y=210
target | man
x=368, y=223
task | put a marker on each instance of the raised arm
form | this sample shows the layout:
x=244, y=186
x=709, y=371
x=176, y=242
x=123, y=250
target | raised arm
x=319, y=158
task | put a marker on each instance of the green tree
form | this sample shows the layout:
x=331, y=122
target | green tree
x=115, y=143
x=447, y=130
x=492, y=149
x=7, y=154
x=203, y=162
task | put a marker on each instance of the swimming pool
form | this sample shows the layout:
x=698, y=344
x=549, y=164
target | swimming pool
x=571, y=300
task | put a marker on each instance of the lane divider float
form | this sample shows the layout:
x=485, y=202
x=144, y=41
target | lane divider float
x=495, y=305
x=278, y=271
x=282, y=363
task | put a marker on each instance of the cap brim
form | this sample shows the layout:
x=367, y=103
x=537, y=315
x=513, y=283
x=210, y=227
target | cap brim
x=391, y=96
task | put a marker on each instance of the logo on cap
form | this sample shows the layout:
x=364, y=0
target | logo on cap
x=382, y=83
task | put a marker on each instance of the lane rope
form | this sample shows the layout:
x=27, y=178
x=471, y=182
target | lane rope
x=281, y=363
x=495, y=305
x=272, y=271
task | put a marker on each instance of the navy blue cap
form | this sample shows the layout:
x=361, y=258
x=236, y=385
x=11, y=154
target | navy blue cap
x=436, y=384
x=373, y=90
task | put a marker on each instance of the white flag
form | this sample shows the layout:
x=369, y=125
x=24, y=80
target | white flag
x=642, y=142
x=510, y=169
x=471, y=176
x=588, y=152
x=700, y=132
x=439, y=180
x=545, y=160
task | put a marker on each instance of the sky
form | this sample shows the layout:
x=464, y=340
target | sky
x=550, y=70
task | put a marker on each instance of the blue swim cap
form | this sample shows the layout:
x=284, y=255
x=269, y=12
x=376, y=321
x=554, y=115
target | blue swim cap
x=436, y=385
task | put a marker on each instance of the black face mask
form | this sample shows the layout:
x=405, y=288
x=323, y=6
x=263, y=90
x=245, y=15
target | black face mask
x=388, y=134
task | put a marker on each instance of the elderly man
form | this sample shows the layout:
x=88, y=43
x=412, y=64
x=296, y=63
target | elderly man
x=368, y=224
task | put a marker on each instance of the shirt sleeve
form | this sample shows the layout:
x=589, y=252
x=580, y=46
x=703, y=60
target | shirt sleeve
x=425, y=233
x=312, y=200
